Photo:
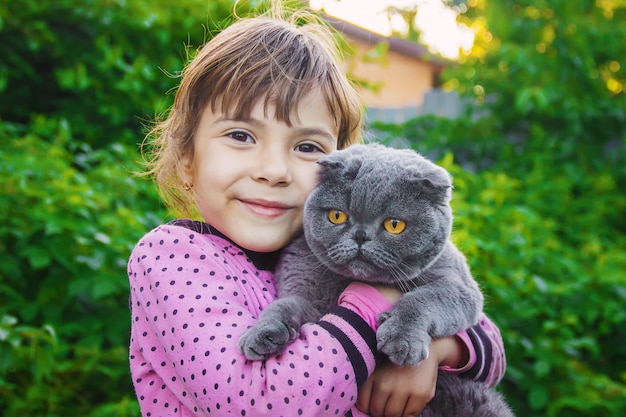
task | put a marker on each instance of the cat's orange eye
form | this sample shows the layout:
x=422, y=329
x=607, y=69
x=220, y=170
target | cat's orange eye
x=337, y=216
x=394, y=226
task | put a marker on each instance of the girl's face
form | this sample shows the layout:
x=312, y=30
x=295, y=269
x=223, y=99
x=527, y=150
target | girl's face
x=251, y=177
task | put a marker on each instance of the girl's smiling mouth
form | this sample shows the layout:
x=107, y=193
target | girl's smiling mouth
x=266, y=208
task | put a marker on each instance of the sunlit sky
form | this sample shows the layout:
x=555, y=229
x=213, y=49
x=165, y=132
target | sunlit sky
x=440, y=30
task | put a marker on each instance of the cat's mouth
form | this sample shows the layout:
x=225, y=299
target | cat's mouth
x=362, y=258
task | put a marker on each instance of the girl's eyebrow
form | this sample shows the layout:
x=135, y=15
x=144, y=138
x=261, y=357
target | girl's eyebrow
x=307, y=131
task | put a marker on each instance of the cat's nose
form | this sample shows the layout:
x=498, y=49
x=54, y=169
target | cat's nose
x=360, y=237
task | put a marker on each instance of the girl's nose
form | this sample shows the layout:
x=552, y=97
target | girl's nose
x=273, y=168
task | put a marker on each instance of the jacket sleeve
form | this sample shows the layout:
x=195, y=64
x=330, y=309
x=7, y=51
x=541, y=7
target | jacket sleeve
x=487, y=360
x=192, y=297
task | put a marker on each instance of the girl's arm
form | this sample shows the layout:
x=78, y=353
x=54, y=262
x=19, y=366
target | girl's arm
x=191, y=298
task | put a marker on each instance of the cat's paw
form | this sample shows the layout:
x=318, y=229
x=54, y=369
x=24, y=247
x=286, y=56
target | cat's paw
x=265, y=339
x=402, y=346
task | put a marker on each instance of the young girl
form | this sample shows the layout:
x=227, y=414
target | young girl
x=256, y=108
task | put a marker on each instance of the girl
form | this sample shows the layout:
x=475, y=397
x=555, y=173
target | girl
x=256, y=108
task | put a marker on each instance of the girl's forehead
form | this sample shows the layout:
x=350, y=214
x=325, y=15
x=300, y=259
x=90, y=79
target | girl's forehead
x=273, y=106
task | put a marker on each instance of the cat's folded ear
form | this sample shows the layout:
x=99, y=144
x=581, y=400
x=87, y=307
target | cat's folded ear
x=437, y=181
x=329, y=168
x=329, y=164
x=336, y=165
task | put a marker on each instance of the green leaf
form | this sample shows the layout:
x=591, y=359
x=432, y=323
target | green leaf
x=37, y=257
x=538, y=398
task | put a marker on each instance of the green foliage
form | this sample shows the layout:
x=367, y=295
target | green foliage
x=549, y=245
x=560, y=64
x=69, y=218
x=99, y=65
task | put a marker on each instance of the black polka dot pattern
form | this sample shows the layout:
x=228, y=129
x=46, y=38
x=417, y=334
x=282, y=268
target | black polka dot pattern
x=192, y=295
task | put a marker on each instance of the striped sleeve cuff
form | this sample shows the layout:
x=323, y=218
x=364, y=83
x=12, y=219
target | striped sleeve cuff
x=487, y=361
x=357, y=338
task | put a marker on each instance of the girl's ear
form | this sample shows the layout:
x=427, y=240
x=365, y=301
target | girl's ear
x=186, y=170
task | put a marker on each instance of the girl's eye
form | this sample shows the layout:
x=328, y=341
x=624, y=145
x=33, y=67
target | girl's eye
x=394, y=226
x=241, y=136
x=308, y=148
x=337, y=216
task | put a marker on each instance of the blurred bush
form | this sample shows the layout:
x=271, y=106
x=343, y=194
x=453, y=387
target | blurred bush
x=99, y=65
x=69, y=218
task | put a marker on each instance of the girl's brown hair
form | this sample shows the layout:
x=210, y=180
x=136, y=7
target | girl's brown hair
x=266, y=57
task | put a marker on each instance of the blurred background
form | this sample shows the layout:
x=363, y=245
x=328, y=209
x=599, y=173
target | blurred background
x=527, y=110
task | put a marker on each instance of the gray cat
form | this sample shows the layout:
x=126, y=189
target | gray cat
x=378, y=215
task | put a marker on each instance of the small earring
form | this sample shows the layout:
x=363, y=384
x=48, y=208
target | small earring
x=188, y=187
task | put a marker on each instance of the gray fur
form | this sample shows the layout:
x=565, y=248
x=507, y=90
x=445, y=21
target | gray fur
x=462, y=397
x=372, y=183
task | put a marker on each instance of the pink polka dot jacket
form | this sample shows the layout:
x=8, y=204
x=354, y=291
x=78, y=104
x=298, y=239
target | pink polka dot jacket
x=192, y=294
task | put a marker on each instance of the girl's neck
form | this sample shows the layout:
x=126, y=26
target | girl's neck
x=262, y=260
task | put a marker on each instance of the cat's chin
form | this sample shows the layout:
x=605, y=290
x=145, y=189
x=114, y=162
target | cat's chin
x=359, y=270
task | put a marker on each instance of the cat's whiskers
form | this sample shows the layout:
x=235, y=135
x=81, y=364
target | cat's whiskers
x=319, y=268
x=402, y=279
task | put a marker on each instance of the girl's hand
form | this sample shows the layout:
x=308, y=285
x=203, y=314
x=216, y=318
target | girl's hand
x=393, y=391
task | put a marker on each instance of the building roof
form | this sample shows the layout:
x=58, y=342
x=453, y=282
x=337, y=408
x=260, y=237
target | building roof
x=402, y=46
